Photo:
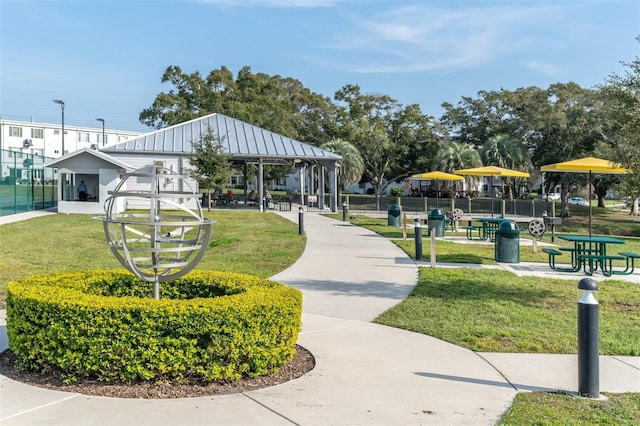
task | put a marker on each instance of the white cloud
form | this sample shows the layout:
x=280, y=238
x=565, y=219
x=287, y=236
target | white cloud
x=421, y=37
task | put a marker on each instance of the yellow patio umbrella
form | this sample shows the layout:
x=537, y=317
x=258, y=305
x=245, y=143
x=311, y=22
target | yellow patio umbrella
x=437, y=176
x=491, y=171
x=587, y=165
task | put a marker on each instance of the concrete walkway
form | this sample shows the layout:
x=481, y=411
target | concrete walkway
x=365, y=373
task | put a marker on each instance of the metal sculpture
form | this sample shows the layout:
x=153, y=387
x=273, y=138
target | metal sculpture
x=456, y=215
x=155, y=246
x=536, y=228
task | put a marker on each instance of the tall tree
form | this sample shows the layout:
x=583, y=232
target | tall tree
x=351, y=166
x=622, y=110
x=456, y=156
x=394, y=141
x=475, y=120
x=564, y=127
x=509, y=153
x=210, y=165
x=282, y=105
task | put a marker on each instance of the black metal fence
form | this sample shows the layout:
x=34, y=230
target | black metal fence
x=470, y=206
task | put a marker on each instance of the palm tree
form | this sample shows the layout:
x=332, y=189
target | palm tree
x=352, y=164
x=506, y=152
x=457, y=156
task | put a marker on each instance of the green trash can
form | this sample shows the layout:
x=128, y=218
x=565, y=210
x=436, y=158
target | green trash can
x=436, y=221
x=507, y=248
x=393, y=215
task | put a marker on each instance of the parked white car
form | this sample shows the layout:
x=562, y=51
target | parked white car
x=578, y=201
x=550, y=196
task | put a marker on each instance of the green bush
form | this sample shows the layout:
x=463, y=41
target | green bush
x=397, y=191
x=102, y=325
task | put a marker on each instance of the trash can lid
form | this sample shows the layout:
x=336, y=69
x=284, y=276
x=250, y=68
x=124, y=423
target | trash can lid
x=508, y=225
x=394, y=207
x=437, y=212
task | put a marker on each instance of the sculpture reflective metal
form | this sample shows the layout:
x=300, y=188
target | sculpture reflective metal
x=154, y=245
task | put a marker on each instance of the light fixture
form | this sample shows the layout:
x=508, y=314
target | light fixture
x=102, y=120
x=61, y=103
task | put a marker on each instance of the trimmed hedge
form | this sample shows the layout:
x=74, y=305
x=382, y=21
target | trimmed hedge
x=102, y=325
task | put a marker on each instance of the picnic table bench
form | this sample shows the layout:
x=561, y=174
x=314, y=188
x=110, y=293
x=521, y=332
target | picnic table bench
x=552, y=261
x=471, y=229
x=630, y=258
x=592, y=261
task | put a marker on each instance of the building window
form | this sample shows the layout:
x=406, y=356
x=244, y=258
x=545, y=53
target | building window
x=237, y=181
x=99, y=138
x=56, y=132
x=83, y=137
x=15, y=131
x=37, y=133
x=122, y=138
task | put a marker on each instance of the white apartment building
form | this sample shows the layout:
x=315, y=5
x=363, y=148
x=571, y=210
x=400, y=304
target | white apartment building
x=45, y=139
x=24, y=145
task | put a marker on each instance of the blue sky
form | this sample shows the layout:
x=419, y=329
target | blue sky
x=105, y=58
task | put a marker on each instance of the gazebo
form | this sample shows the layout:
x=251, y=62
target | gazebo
x=244, y=142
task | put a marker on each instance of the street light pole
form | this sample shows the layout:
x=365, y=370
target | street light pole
x=102, y=121
x=61, y=103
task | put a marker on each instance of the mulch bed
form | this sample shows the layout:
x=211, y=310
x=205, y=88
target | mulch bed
x=302, y=363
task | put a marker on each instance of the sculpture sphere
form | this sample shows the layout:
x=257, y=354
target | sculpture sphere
x=168, y=240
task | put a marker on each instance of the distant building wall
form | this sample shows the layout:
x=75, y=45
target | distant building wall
x=45, y=139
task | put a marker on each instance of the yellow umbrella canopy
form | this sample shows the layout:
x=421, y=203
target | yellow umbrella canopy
x=492, y=171
x=437, y=175
x=586, y=165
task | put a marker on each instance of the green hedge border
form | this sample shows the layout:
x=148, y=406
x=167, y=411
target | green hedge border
x=209, y=325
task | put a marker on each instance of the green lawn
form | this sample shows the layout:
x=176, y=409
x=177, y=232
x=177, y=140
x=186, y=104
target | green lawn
x=554, y=409
x=246, y=242
x=495, y=311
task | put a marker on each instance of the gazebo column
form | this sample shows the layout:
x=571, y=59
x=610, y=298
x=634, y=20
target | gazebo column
x=246, y=183
x=321, y=187
x=302, y=187
x=260, y=184
x=310, y=180
x=333, y=187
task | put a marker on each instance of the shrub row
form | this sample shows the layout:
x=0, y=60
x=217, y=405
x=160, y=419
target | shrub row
x=102, y=325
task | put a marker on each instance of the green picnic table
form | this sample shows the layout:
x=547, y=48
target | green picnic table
x=590, y=253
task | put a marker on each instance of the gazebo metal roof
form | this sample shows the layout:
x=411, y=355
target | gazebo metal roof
x=243, y=141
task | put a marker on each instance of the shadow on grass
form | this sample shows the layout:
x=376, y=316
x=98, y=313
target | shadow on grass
x=461, y=258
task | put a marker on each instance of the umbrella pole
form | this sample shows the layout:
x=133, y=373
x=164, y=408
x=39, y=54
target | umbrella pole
x=437, y=193
x=589, y=203
x=491, y=193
